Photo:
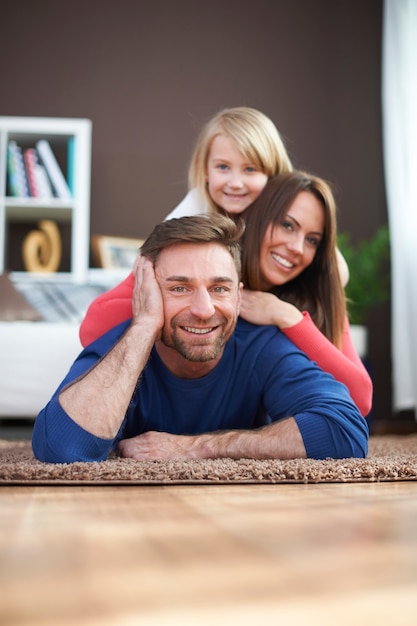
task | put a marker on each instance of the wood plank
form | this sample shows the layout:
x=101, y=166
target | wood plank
x=327, y=553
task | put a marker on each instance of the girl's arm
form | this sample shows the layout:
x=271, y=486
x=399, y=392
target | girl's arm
x=345, y=364
x=343, y=268
x=107, y=310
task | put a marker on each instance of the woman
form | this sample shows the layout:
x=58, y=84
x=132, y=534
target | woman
x=291, y=276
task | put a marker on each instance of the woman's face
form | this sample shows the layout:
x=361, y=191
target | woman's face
x=290, y=246
x=234, y=182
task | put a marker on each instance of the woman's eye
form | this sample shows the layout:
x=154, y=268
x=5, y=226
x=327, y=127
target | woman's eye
x=313, y=241
x=222, y=166
x=251, y=168
x=287, y=225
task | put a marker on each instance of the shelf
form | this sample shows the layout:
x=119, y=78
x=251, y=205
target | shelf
x=35, y=203
x=33, y=211
x=70, y=141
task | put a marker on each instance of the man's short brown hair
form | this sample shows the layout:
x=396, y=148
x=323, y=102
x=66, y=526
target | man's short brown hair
x=196, y=229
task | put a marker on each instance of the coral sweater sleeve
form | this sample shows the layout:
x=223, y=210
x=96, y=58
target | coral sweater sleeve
x=345, y=364
x=107, y=310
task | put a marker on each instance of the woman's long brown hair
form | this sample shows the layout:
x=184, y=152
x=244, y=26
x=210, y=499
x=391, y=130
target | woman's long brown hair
x=318, y=288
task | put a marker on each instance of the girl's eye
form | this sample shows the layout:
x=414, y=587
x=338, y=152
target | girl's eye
x=222, y=166
x=251, y=168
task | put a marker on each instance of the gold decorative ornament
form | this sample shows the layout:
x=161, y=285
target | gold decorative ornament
x=42, y=249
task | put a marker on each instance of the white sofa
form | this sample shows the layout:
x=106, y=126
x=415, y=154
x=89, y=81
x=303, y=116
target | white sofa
x=34, y=358
x=36, y=355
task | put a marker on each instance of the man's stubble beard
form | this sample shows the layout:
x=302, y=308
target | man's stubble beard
x=197, y=353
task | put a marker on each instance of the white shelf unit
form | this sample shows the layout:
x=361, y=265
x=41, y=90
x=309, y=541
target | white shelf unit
x=26, y=131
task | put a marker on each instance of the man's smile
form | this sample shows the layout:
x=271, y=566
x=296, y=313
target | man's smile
x=198, y=331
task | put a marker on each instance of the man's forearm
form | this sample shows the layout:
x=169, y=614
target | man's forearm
x=280, y=440
x=98, y=401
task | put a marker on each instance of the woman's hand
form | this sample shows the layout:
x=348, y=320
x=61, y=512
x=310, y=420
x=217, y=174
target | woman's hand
x=261, y=308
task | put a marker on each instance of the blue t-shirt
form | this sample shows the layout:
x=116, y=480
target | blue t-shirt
x=261, y=377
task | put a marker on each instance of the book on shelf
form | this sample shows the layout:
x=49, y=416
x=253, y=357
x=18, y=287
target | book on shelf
x=31, y=159
x=35, y=173
x=39, y=184
x=16, y=171
x=12, y=189
x=44, y=183
x=70, y=163
x=57, y=178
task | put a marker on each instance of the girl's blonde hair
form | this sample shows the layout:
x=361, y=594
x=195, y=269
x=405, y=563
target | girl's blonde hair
x=254, y=135
x=318, y=289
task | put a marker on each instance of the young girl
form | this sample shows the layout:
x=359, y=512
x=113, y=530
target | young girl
x=291, y=276
x=237, y=151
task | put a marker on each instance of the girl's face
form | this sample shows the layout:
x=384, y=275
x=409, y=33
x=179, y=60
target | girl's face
x=234, y=182
x=290, y=246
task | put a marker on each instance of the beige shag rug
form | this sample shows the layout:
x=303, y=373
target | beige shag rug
x=390, y=458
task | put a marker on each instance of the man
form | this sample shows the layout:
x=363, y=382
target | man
x=184, y=378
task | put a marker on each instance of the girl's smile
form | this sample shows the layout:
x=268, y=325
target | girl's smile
x=234, y=182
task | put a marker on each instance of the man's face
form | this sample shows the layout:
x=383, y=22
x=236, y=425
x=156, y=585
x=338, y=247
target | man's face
x=201, y=294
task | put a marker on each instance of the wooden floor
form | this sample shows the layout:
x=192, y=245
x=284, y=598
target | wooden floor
x=265, y=555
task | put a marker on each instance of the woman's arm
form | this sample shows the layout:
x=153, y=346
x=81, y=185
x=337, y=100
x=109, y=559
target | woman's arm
x=345, y=364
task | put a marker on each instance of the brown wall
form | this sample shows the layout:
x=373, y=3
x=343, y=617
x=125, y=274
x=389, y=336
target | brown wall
x=148, y=73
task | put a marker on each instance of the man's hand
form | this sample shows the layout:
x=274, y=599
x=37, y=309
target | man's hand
x=155, y=445
x=147, y=300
